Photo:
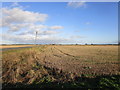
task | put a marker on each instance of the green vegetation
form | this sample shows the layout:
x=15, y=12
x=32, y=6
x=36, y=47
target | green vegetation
x=103, y=82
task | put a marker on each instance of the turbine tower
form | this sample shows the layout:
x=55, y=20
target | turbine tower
x=36, y=37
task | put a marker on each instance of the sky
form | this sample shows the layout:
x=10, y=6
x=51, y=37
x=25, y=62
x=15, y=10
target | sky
x=59, y=22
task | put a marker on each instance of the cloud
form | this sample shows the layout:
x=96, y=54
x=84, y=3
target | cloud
x=45, y=39
x=17, y=15
x=76, y=4
x=32, y=27
x=26, y=33
x=49, y=32
x=35, y=27
x=17, y=38
x=16, y=27
x=56, y=27
x=20, y=26
x=15, y=19
x=40, y=32
x=15, y=4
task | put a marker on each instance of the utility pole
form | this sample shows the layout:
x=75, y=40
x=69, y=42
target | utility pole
x=36, y=37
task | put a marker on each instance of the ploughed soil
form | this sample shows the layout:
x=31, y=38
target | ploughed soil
x=61, y=66
x=79, y=62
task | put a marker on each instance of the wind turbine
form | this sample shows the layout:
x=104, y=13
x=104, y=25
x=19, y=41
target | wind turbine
x=36, y=37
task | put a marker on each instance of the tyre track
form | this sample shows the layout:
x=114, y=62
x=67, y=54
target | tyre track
x=51, y=58
x=57, y=53
x=64, y=52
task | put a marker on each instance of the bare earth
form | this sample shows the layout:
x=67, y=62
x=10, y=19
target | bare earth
x=58, y=63
x=82, y=59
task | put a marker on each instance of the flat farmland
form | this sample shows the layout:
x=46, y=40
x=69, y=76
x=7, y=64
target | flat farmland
x=63, y=65
x=83, y=59
x=14, y=46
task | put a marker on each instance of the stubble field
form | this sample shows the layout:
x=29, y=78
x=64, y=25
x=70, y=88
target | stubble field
x=84, y=66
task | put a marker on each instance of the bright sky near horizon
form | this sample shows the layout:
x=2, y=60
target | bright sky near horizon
x=59, y=22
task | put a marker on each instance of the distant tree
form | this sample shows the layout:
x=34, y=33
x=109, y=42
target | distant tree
x=86, y=44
